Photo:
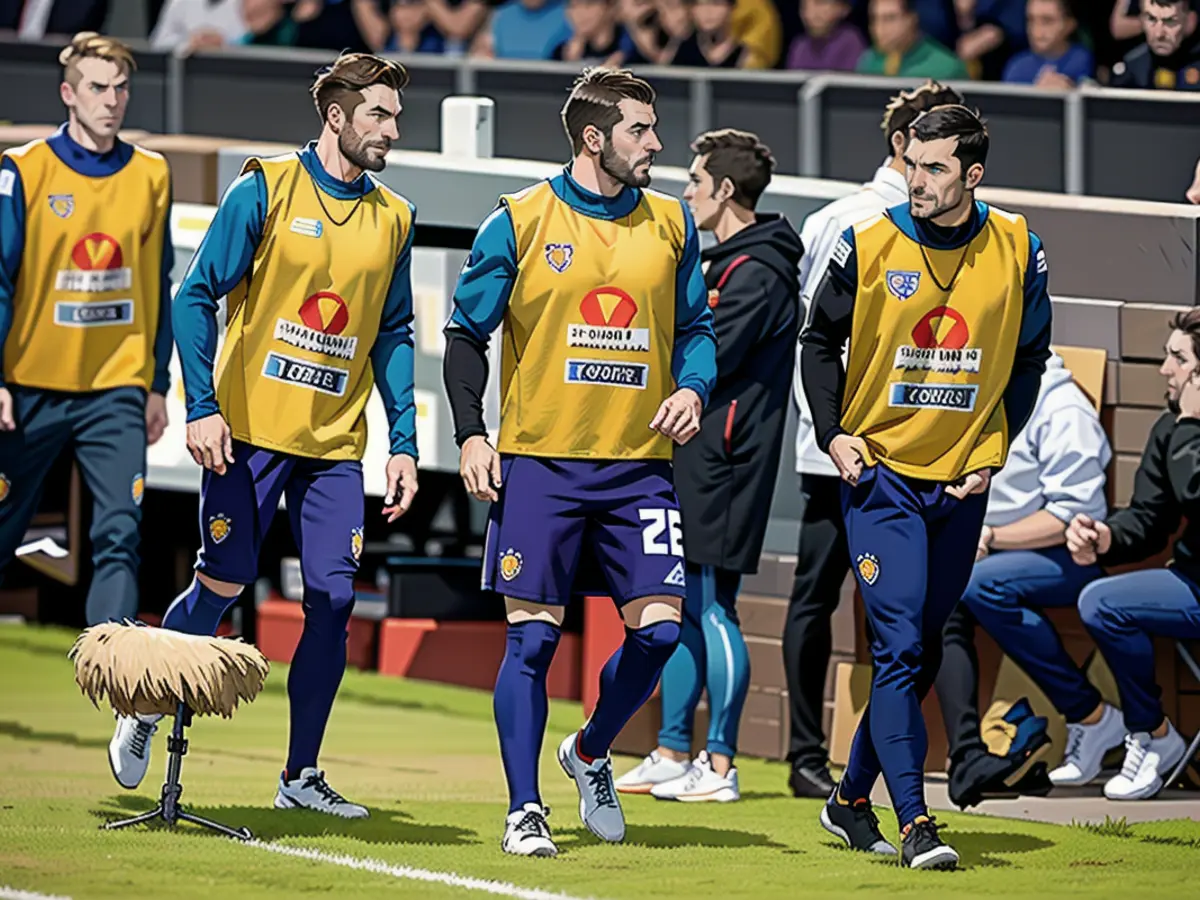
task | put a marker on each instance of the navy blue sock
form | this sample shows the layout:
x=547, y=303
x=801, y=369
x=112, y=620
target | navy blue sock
x=626, y=682
x=316, y=674
x=521, y=706
x=197, y=610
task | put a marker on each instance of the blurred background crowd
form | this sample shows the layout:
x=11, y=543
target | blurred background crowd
x=1049, y=43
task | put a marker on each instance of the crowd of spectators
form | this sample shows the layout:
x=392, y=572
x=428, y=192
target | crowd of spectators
x=1049, y=43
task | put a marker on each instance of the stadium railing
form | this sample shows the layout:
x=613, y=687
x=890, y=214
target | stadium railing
x=1091, y=140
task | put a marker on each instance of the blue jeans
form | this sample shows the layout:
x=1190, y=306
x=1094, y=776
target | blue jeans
x=1007, y=592
x=1122, y=613
x=711, y=654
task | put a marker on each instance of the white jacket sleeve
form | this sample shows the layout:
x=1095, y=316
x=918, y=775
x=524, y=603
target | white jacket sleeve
x=1073, y=452
x=819, y=236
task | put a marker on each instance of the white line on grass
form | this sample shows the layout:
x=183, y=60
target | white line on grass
x=11, y=893
x=503, y=888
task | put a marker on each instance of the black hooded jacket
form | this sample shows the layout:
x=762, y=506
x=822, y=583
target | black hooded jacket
x=725, y=476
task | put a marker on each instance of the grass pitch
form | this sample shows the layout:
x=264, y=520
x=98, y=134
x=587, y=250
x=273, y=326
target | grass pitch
x=423, y=757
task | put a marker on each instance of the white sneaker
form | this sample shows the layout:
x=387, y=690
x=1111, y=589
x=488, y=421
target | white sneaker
x=527, y=834
x=653, y=770
x=700, y=783
x=1147, y=761
x=312, y=791
x=129, y=749
x=598, y=805
x=1086, y=746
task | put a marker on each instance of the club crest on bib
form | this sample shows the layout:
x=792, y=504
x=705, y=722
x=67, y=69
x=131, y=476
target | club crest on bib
x=219, y=527
x=902, y=284
x=137, y=489
x=62, y=205
x=356, y=543
x=5, y=487
x=510, y=564
x=559, y=256
x=868, y=567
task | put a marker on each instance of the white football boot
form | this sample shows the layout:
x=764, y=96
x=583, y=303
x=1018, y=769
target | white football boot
x=1148, y=760
x=129, y=749
x=701, y=783
x=598, y=805
x=652, y=770
x=312, y=791
x=1086, y=746
x=527, y=834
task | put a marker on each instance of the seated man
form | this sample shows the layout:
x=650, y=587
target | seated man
x=1054, y=471
x=1124, y=612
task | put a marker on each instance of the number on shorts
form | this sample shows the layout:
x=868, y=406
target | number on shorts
x=657, y=521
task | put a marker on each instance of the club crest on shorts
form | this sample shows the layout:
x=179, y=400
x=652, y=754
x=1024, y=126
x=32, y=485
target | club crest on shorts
x=903, y=284
x=868, y=567
x=559, y=256
x=137, y=489
x=356, y=543
x=5, y=487
x=219, y=527
x=510, y=564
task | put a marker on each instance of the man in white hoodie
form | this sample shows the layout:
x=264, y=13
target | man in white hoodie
x=823, y=559
x=1054, y=472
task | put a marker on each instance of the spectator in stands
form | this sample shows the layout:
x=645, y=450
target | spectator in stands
x=712, y=44
x=1170, y=58
x=1123, y=613
x=900, y=48
x=645, y=37
x=830, y=42
x=189, y=25
x=458, y=21
x=413, y=30
x=594, y=33
x=996, y=31
x=526, y=29
x=1053, y=59
x=1126, y=20
x=269, y=23
x=33, y=20
x=939, y=20
x=350, y=26
x=755, y=24
x=1054, y=471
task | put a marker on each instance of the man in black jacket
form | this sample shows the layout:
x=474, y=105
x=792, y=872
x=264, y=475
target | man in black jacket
x=725, y=476
x=1124, y=612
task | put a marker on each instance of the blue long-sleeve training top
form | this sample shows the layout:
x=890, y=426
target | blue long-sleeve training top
x=90, y=164
x=222, y=261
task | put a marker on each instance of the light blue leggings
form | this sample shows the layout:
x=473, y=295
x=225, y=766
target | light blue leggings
x=711, y=654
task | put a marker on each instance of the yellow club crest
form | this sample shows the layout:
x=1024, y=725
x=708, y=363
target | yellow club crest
x=510, y=564
x=137, y=489
x=868, y=567
x=356, y=543
x=219, y=527
x=5, y=487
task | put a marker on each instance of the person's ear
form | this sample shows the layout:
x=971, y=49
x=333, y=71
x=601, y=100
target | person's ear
x=974, y=176
x=726, y=190
x=898, y=142
x=593, y=140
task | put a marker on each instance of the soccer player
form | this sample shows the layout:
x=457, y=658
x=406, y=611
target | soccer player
x=945, y=306
x=314, y=255
x=608, y=355
x=85, y=325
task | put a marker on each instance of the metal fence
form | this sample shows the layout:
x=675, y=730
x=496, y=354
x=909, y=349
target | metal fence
x=1096, y=141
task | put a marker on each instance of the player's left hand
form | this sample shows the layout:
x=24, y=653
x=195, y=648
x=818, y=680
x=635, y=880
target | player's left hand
x=679, y=416
x=156, y=418
x=401, y=486
x=972, y=483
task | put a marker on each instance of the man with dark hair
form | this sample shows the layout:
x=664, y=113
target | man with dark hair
x=1124, y=613
x=943, y=370
x=1170, y=57
x=314, y=256
x=726, y=476
x=607, y=359
x=822, y=560
x=898, y=47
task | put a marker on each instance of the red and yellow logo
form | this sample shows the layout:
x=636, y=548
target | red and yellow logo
x=608, y=307
x=356, y=543
x=325, y=312
x=5, y=487
x=219, y=527
x=96, y=252
x=942, y=328
x=138, y=489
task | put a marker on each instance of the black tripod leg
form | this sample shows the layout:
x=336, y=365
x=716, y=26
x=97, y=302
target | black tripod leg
x=155, y=813
x=242, y=833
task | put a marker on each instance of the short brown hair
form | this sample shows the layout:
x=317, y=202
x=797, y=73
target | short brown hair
x=1189, y=321
x=90, y=45
x=351, y=73
x=594, y=98
x=739, y=156
x=907, y=106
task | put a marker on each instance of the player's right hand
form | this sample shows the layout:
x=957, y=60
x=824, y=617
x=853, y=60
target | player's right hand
x=8, y=420
x=848, y=454
x=1087, y=539
x=479, y=466
x=210, y=442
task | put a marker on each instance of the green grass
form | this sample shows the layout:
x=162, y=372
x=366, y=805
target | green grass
x=423, y=757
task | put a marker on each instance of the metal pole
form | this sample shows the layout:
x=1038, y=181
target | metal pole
x=174, y=94
x=809, y=98
x=700, y=97
x=1074, y=161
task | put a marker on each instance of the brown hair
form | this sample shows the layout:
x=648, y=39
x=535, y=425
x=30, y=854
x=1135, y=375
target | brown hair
x=907, y=106
x=594, y=98
x=739, y=156
x=352, y=73
x=1189, y=322
x=90, y=45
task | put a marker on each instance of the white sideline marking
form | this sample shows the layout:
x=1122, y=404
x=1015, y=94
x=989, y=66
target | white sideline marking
x=11, y=893
x=503, y=888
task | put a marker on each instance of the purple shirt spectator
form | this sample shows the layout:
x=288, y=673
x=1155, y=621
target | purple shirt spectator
x=839, y=52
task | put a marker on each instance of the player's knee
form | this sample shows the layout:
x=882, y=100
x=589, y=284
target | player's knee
x=226, y=589
x=660, y=638
x=328, y=611
x=1094, y=607
x=115, y=537
x=646, y=611
x=532, y=644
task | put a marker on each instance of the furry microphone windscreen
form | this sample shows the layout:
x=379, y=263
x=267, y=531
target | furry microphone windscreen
x=144, y=670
